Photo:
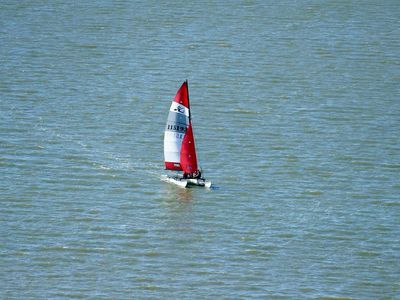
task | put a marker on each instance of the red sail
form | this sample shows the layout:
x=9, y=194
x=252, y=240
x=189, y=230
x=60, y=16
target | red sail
x=182, y=96
x=173, y=166
x=188, y=153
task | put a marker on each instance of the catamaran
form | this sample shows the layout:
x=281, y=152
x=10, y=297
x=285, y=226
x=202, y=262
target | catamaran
x=179, y=146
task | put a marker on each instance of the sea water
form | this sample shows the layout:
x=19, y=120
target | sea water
x=296, y=114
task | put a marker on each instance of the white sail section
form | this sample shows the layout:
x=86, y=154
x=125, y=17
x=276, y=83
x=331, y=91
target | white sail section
x=172, y=147
x=175, y=129
x=179, y=108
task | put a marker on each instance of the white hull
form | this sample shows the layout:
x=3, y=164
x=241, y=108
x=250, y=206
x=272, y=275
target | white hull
x=199, y=182
x=183, y=182
x=175, y=180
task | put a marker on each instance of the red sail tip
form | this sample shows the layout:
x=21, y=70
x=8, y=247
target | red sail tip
x=182, y=96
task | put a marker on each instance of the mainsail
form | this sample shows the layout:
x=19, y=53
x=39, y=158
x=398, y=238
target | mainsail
x=179, y=146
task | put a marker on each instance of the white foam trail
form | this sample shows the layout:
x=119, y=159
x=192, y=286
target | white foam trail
x=101, y=159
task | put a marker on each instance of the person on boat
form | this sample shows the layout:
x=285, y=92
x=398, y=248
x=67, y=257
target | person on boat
x=198, y=175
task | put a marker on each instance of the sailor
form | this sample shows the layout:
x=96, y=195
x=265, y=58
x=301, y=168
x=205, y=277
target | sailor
x=198, y=175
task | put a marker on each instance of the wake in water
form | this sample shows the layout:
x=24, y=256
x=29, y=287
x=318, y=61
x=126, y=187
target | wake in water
x=81, y=152
x=95, y=156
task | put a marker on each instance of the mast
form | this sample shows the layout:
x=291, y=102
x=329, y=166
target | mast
x=188, y=100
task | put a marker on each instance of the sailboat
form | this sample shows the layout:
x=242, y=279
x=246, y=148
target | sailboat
x=179, y=147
